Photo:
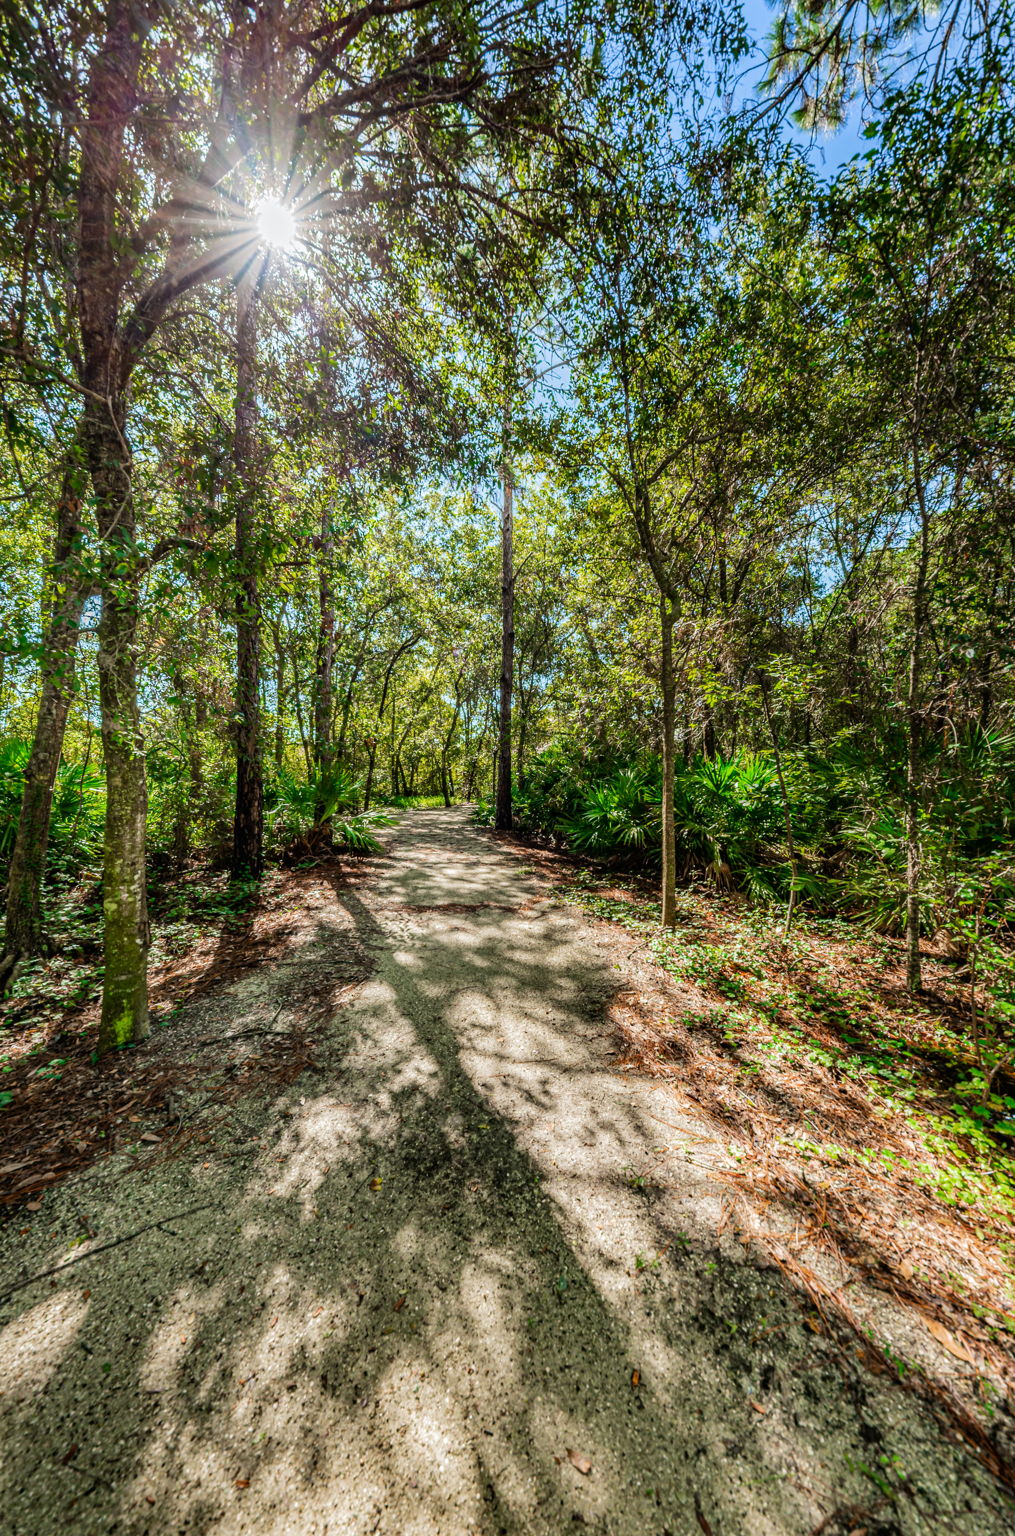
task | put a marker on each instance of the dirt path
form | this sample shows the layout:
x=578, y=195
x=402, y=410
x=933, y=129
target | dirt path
x=431, y=1288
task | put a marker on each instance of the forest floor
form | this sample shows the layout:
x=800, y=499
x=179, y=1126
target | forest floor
x=447, y=1202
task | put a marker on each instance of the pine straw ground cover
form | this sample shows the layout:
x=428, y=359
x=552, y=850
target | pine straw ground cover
x=61, y=1108
x=852, y=1155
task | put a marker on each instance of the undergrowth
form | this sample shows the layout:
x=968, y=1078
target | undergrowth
x=823, y=1001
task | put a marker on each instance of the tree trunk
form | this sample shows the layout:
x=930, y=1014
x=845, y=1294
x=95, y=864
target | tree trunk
x=668, y=916
x=23, y=934
x=708, y=735
x=248, y=823
x=184, y=792
x=338, y=754
x=389, y=669
x=914, y=737
x=786, y=815
x=324, y=658
x=279, y=695
x=124, y=1019
x=105, y=373
x=447, y=777
x=502, y=819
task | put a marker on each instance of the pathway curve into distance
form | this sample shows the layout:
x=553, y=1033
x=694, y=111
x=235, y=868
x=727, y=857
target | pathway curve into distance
x=444, y=1284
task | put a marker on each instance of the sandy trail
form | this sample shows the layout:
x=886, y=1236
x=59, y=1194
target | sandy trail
x=446, y=1283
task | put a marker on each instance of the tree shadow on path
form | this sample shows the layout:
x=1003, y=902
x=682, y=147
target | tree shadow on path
x=443, y=1300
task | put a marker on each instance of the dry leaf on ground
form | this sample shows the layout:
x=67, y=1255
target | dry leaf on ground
x=945, y=1339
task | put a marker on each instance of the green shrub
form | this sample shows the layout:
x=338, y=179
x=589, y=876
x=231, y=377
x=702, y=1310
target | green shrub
x=326, y=802
x=75, y=833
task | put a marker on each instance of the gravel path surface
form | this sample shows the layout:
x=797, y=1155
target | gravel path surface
x=445, y=1283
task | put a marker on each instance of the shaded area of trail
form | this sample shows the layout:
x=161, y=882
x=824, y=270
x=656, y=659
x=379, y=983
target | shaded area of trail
x=436, y=1288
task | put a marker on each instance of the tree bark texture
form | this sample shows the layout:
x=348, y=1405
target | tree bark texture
x=279, y=697
x=106, y=365
x=124, y=1019
x=503, y=813
x=914, y=734
x=669, y=876
x=324, y=660
x=248, y=821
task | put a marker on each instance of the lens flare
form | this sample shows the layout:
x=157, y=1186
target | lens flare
x=276, y=224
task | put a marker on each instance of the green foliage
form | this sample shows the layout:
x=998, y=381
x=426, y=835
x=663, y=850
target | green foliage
x=727, y=811
x=327, y=802
x=75, y=836
x=729, y=819
x=620, y=815
x=414, y=802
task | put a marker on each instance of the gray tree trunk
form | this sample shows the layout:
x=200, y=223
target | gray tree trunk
x=914, y=734
x=248, y=821
x=668, y=916
x=124, y=1019
x=503, y=814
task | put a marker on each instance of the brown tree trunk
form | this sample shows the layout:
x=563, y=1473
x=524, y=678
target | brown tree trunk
x=124, y=1019
x=23, y=933
x=914, y=732
x=388, y=671
x=184, y=790
x=708, y=735
x=105, y=373
x=784, y=796
x=248, y=822
x=446, y=775
x=279, y=695
x=502, y=818
x=324, y=659
x=668, y=916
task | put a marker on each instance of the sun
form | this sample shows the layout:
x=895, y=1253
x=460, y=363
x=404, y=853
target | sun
x=276, y=224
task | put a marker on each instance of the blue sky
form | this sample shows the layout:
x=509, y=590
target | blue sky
x=828, y=150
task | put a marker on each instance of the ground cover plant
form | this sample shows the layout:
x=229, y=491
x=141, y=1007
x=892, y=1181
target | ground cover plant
x=860, y=1145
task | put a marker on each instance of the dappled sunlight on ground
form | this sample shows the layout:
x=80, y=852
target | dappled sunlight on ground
x=457, y=1277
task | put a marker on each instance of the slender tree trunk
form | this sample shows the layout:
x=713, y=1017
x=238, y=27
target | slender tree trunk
x=23, y=934
x=105, y=372
x=669, y=877
x=248, y=823
x=914, y=734
x=784, y=795
x=343, y=731
x=324, y=660
x=399, y=778
x=502, y=819
x=308, y=755
x=324, y=665
x=708, y=735
x=124, y=1019
x=195, y=756
x=184, y=788
x=369, y=787
x=279, y=750
x=388, y=671
x=447, y=778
